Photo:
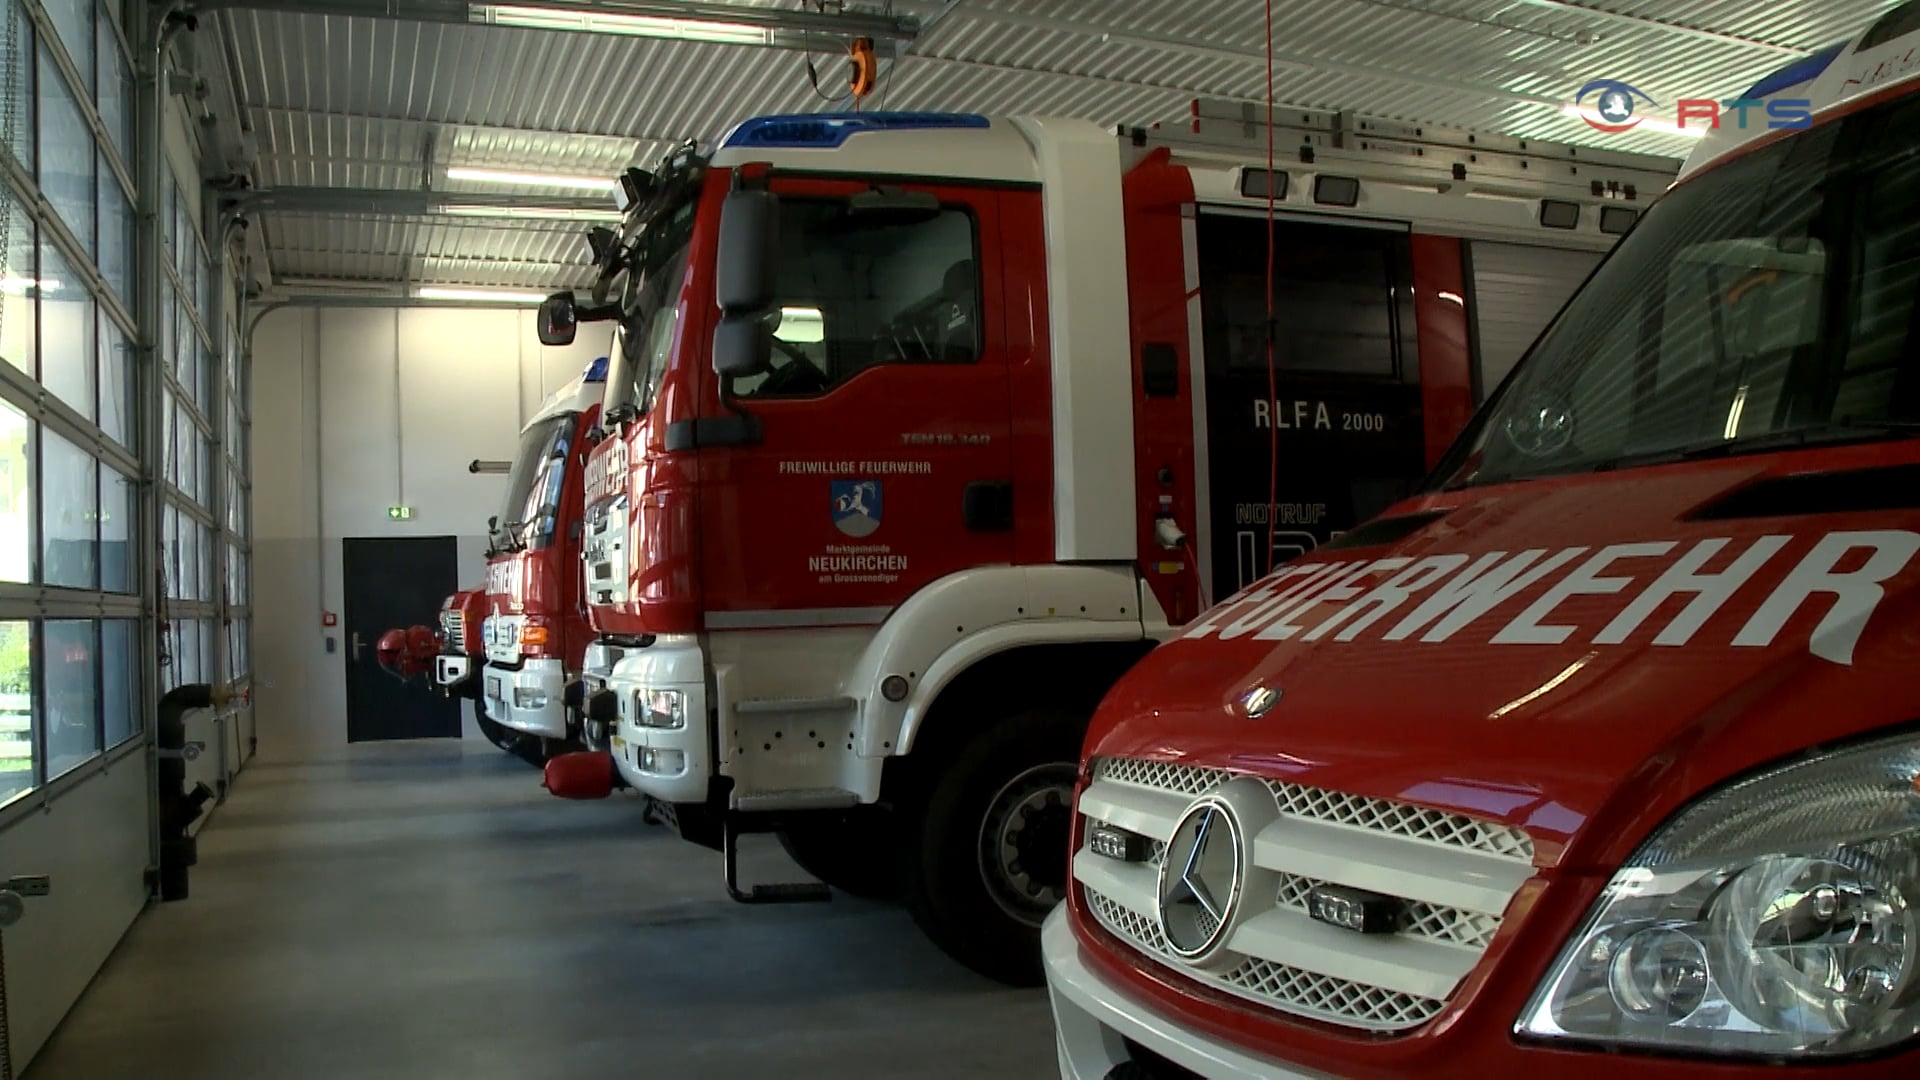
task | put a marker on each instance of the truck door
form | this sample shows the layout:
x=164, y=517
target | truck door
x=1344, y=402
x=884, y=461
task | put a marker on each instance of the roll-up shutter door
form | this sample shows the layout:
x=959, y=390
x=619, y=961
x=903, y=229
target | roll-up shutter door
x=1517, y=289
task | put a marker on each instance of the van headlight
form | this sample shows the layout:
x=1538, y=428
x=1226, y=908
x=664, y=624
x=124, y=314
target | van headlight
x=1777, y=916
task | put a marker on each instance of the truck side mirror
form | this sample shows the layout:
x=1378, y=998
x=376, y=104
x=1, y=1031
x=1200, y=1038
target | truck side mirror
x=742, y=345
x=558, y=321
x=746, y=267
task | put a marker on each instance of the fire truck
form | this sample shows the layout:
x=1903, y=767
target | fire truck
x=513, y=646
x=1599, y=752
x=922, y=429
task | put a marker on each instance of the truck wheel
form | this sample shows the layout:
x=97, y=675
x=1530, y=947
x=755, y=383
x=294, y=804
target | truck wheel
x=853, y=854
x=528, y=748
x=986, y=858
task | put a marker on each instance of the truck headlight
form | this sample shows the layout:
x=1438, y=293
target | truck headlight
x=1775, y=917
x=658, y=709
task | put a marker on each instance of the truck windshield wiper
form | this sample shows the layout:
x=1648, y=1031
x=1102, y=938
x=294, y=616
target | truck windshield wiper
x=511, y=530
x=1837, y=432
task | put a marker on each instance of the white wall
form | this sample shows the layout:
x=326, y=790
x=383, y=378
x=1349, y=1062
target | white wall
x=356, y=410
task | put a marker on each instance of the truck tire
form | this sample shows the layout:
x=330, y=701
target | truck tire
x=853, y=854
x=984, y=858
x=528, y=748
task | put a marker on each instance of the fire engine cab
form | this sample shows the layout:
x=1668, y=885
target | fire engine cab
x=532, y=626
x=1598, y=753
x=922, y=429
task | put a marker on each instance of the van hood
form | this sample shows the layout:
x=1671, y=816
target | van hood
x=1574, y=657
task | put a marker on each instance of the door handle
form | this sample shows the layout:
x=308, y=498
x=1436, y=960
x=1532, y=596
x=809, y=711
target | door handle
x=355, y=645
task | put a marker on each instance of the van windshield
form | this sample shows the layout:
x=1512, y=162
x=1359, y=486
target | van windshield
x=1767, y=303
x=530, y=513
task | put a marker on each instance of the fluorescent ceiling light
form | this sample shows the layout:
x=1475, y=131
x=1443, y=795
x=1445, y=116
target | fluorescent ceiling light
x=555, y=213
x=655, y=26
x=504, y=296
x=526, y=179
x=1664, y=127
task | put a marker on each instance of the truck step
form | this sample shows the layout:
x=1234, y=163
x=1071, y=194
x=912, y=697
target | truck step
x=792, y=892
x=796, y=892
x=760, y=802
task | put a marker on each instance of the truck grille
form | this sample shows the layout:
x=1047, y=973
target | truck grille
x=1454, y=874
x=453, y=626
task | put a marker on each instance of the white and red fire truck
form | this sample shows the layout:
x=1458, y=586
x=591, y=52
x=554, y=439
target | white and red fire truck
x=922, y=429
x=1599, y=754
x=514, y=645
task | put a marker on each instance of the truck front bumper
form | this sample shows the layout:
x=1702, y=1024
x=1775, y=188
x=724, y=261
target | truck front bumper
x=530, y=699
x=1093, y=1020
x=670, y=761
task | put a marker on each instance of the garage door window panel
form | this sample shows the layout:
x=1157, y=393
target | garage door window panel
x=17, y=525
x=17, y=736
x=68, y=361
x=66, y=155
x=69, y=502
x=71, y=664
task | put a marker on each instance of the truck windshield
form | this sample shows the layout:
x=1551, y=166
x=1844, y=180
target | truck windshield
x=531, y=510
x=1766, y=303
x=649, y=313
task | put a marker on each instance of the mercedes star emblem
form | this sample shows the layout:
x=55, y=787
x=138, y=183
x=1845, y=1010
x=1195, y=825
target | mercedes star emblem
x=1200, y=880
x=1259, y=701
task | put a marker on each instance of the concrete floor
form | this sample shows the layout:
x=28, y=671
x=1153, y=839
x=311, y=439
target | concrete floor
x=427, y=910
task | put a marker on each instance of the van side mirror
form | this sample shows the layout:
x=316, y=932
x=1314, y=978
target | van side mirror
x=742, y=345
x=746, y=269
x=559, y=320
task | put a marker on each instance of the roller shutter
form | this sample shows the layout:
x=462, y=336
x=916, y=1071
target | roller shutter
x=1517, y=288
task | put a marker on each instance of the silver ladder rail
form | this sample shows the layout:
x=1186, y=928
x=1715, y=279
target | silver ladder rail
x=1447, y=160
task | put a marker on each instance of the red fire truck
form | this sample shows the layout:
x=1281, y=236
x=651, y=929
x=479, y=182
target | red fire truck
x=923, y=428
x=513, y=646
x=1598, y=754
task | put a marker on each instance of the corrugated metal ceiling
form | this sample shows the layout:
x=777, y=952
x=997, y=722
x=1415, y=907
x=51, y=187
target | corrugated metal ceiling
x=387, y=103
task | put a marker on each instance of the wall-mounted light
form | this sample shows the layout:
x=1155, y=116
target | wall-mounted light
x=1616, y=220
x=502, y=296
x=532, y=179
x=1336, y=190
x=712, y=31
x=1555, y=214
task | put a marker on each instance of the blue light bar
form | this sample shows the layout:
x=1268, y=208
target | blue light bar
x=596, y=371
x=1799, y=71
x=824, y=131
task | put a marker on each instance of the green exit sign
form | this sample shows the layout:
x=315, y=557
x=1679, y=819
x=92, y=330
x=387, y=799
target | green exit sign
x=400, y=513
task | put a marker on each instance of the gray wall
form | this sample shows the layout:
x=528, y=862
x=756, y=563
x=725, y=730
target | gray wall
x=355, y=410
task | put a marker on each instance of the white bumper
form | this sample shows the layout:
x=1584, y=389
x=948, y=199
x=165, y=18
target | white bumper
x=528, y=700
x=1092, y=1016
x=671, y=764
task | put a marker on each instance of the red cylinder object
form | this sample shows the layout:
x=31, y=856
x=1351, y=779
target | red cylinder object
x=587, y=774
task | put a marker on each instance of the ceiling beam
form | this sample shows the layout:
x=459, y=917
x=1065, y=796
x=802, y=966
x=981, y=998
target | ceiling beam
x=785, y=28
x=396, y=202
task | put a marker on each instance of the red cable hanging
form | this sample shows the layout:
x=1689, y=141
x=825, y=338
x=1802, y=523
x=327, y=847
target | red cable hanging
x=1273, y=378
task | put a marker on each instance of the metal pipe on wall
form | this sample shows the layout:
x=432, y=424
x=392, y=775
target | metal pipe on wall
x=150, y=97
